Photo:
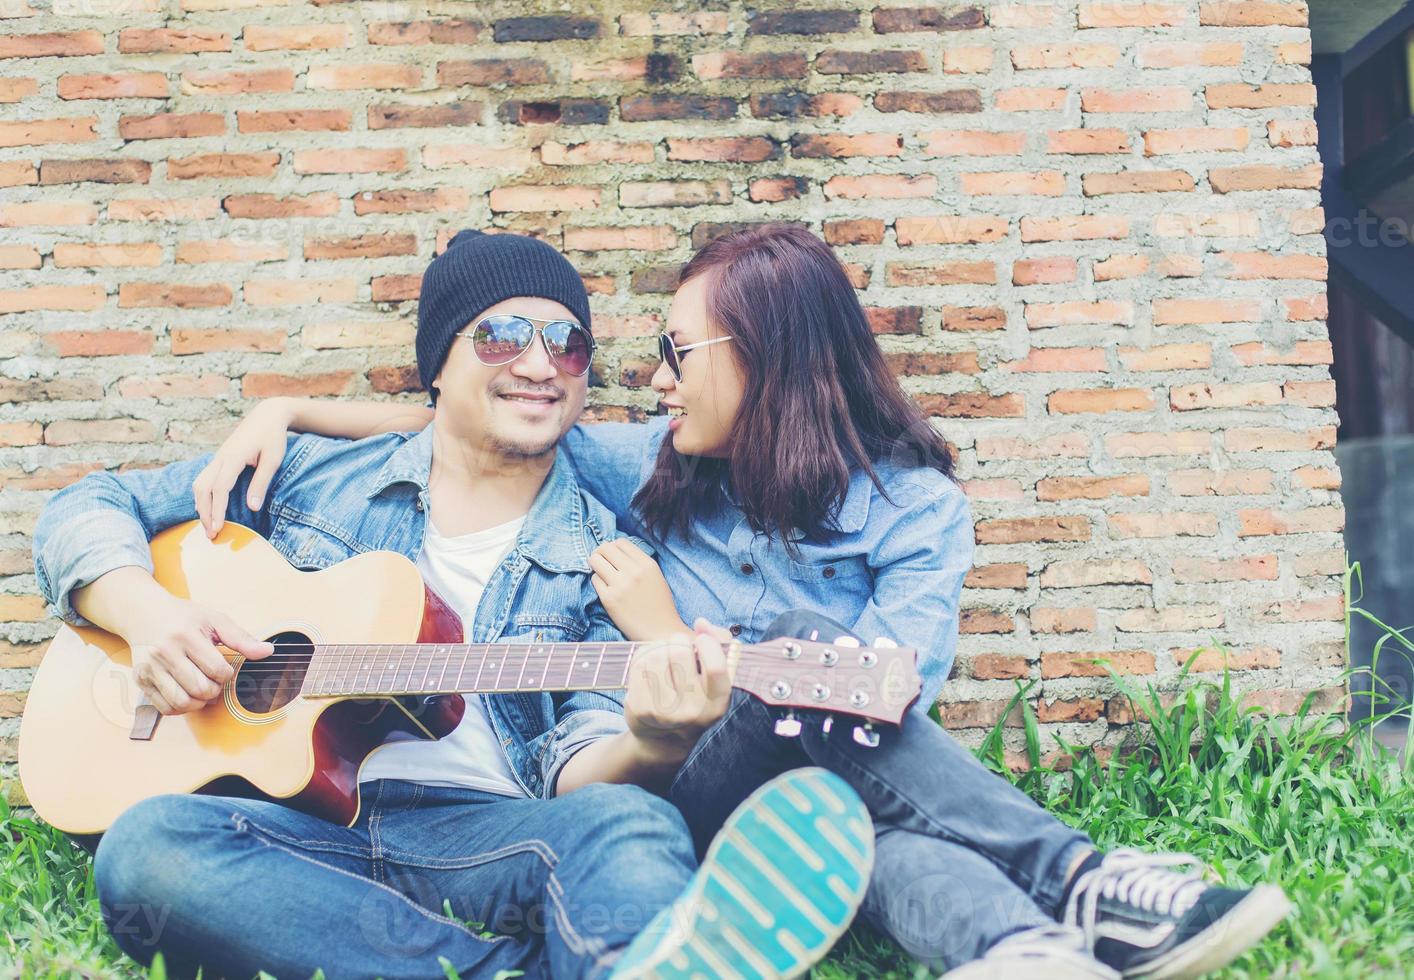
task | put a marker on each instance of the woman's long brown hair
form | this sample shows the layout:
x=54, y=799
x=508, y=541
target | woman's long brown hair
x=820, y=401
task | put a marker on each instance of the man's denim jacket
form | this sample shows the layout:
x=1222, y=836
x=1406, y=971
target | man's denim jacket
x=333, y=499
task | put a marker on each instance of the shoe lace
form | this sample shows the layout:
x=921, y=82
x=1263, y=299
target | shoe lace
x=1141, y=880
x=1043, y=937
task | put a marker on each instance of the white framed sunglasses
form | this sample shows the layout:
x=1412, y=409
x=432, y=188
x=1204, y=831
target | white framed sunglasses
x=672, y=354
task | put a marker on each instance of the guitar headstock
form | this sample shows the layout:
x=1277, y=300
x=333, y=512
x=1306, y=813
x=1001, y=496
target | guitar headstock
x=877, y=683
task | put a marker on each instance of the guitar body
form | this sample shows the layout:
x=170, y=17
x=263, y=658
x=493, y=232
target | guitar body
x=80, y=765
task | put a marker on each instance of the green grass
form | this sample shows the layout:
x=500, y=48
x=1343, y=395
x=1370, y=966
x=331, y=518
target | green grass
x=1306, y=802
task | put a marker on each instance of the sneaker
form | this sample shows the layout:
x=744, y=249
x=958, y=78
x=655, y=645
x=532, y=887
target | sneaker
x=778, y=887
x=1053, y=952
x=1146, y=919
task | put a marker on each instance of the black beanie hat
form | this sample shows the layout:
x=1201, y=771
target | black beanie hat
x=476, y=272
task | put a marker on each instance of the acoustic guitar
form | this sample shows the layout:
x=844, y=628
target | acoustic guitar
x=362, y=649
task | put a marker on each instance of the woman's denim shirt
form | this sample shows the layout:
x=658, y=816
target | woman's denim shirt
x=892, y=566
x=333, y=499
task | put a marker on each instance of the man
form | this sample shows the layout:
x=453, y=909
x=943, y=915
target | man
x=531, y=816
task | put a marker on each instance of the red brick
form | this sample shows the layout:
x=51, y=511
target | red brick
x=1023, y=529
x=1167, y=357
x=1253, y=568
x=367, y=246
x=1195, y=139
x=397, y=116
x=1169, y=620
x=1031, y=99
x=1162, y=525
x=1078, y=312
x=1075, y=54
x=545, y=198
x=478, y=156
x=14, y=173
x=493, y=71
x=299, y=292
x=775, y=189
x=203, y=250
x=1189, y=54
x=900, y=20
x=971, y=143
x=1204, y=660
x=976, y=621
x=839, y=145
x=1260, y=96
x=665, y=23
x=171, y=125
x=1068, y=445
x=439, y=31
x=972, y=405
x=650, y=238
x=411, y=202
x=72, y=255
x=1226, y=180
x=318, y=205
x=1046, y=183
x=346, y=161
x=950, y=229
x=941, y=274
x=1180, y=312
x=1073, y=664
x=160, y=209
x=880, y=187
x=294, y=120
x=307, y=37
x=1033, y=272
x=178, y=295
x=895, y=319
x=129, y=85
x=735, y=64
x=1072, y=228
x=20, y=257
x=968, y=61
x=1252, y=13
x=137, y=40
x=595, y=151
x=735, y=149
x=1086, y=400
x=1294, y=53
x=1198, y=396
x=930, y=103
x=1123, y=445
x=1010, y=575
x=68, y=44
x=35, y=213
x=1302, y=352
x=1311, y=394
x=346, y=77
x=1091, y=487
x=1082, y=141
x=1147, y=14
x=958, y=318
x=237, y=82
x=223, y=166
x=101, y=171
x=610, y=69
x=35, y=132
x=1291, y=132
x=191, y=340
x=71, y=432
x=1257, y=521
x=1138, y=182
x=1208, y=483
x=265, y=385
x=175, y=386
x=1062, y=359
x=996, y=666
x=1136, y=100
x=1269, y=440
x=1047, y=619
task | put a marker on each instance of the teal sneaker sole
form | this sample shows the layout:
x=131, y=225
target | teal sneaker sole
x=778, y=887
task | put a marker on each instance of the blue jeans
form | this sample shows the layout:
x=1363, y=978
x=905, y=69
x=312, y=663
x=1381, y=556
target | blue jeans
x=962, y=858
x=238, y=886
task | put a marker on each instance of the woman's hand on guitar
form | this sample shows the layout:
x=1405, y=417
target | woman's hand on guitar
x=258, y=441
x=634, y=592
x=676, y=690
x=175, y=658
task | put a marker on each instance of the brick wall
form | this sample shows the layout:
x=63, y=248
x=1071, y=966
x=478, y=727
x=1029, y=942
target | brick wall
x=1088, y=234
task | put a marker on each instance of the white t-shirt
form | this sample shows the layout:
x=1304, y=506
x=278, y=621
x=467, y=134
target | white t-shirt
x=457, y=569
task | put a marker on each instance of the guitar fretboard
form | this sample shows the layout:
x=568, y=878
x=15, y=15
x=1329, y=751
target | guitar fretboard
x=343, y=670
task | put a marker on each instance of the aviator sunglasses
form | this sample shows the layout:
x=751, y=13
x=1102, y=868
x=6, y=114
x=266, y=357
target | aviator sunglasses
x=672, y=353
x=502, y=337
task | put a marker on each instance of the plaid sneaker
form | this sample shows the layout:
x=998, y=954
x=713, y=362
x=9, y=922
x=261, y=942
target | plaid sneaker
x=779, y=885
x=1146, y=919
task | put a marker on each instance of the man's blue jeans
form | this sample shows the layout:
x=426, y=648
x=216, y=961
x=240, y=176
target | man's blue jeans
x=240, y=885
x=962, y=858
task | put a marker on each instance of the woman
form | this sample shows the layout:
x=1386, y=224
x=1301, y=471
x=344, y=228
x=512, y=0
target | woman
x=793, y=471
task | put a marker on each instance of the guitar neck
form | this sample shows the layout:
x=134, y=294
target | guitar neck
x=369, y=670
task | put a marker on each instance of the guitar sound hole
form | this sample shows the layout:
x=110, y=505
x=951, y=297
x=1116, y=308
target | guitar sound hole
x=262, y=686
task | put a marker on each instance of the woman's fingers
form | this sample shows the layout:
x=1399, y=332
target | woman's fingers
x=266, y=466
x=602, y=566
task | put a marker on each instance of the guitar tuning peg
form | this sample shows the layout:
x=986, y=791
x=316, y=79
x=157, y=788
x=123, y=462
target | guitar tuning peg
x=885, y=642
x=789, y=726
x=846, y=641
x=828, y=724
x=866, y=736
